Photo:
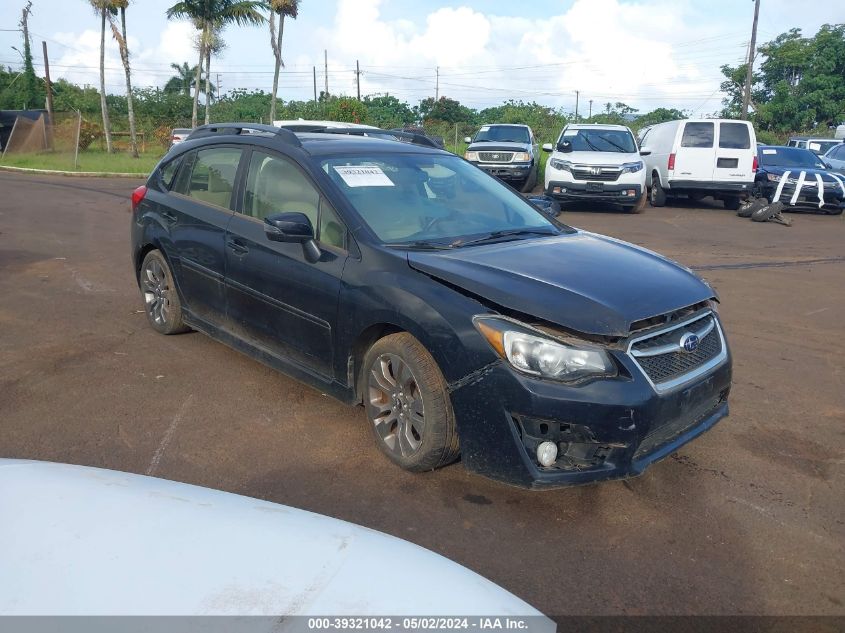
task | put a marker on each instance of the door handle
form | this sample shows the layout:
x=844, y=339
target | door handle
x=237, y=247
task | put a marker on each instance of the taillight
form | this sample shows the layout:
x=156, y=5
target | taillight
x=755, y=165
x=671, y=166
x=138, y=196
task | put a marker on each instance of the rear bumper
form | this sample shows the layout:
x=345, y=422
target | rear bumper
x=710, y=186
x=619, y=193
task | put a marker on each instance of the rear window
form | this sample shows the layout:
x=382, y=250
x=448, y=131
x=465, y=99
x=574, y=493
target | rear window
x=697, y=135
x=734, y=136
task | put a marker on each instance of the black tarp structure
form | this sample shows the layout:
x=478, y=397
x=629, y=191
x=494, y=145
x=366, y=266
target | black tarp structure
x=7, y=121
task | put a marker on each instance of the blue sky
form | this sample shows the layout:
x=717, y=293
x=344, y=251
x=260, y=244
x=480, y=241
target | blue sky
x=647, y=53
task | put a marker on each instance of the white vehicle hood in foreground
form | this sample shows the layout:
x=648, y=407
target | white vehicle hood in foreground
x=86, y=541
x=597, y=158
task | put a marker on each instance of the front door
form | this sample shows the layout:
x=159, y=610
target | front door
x=277, y=299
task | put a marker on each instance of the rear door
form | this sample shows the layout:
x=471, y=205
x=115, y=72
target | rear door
x=696, y=155
x=734, y=153
x=200, y=207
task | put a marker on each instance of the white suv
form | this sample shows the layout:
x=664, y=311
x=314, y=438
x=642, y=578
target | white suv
x=596, y=162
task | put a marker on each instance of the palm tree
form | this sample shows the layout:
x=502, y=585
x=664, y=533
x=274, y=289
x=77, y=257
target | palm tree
x=284, y=8
x=120, y=36
x=208, y=15
x=214, y=45
x=102, y=8
x=183, y=80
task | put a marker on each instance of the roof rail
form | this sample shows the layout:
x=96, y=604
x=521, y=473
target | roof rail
x=213, y=129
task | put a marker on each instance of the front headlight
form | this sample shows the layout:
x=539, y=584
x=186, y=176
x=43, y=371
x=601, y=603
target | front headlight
x=773, y=177
x=562, y=165
x=521, y=157
x=532, y=353
x=632, y=168
x=471, y=156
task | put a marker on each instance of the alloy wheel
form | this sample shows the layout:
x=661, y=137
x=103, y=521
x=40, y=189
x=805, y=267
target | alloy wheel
x=395, y=405
x=156, y=291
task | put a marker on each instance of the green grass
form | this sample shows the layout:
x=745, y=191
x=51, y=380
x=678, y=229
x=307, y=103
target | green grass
x=92, y=160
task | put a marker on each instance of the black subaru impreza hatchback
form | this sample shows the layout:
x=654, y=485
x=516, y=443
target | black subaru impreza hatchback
x=407, y=280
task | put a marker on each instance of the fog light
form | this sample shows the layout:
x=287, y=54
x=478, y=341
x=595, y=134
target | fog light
x=547, y=453
x=556, y=190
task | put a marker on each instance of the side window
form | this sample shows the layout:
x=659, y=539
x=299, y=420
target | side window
x=331, y=231
x=734, y=136
x=168, y=172
x=213, y=175
x=275, y=185
x=697, y=135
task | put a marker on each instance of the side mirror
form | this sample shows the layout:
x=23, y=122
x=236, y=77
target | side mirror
x=294, y=227
x=548, y=147
x=564, y=146
x=645, y=152
x=467, y=139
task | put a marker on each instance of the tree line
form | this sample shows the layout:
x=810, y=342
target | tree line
x=799, y=86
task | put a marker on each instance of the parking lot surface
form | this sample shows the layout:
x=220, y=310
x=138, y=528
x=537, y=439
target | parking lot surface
x=748, y=519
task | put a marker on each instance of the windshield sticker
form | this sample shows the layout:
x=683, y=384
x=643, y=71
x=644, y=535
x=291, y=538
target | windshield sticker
x=364, y=177
x=571, y=133
x=770, y=151
x=484, y=128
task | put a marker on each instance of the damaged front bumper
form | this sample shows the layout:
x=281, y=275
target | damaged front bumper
x=606, y=429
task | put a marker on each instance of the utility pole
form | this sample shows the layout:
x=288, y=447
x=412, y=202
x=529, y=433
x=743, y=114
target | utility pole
x=326, y=67
x=437, y=84
x=358, y=78
x=49, y=85
x=752, y=51
x=577, y=96
x=591, y=110
x=315, y=85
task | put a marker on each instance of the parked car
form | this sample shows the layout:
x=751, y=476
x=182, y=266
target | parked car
x=404, y=279
x=815, y=144
x=700, y=157
x=129, y=545
x=596, y=162
x=415, y=136
x=179, y=134
x=835, y=157
x=799, y=179
x=506, y=151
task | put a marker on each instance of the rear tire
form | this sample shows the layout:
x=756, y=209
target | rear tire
x=407, y=404
x=657, y=195
x=731, y=203
x=161, y=299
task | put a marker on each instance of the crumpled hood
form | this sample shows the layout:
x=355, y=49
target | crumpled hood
x=581, y=281
x=494, y=146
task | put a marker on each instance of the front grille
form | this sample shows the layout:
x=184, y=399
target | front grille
x=608, y=174
x=495, y=157
x=662, y=358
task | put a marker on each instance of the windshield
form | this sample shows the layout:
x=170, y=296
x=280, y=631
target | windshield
x=619, y=141
x=789, y=157
x=431, y=200
x=502, y=134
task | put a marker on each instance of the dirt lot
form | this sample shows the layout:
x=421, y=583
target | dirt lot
x=746, y=520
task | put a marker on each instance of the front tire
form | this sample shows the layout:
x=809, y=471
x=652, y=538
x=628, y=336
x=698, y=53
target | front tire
x=657, y=195
x=530, y=182
x=161, y=299
x=407, y=404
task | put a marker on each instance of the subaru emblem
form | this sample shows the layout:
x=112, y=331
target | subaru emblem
x=689, y=342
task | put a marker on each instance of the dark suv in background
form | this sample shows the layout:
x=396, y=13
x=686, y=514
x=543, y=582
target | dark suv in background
x=508, y=152
x=401, y=278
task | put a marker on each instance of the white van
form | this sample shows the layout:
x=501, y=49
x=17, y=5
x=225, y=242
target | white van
x=700, y=157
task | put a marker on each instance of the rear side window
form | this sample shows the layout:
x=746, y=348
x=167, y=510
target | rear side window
x=168, y=172
x=734, y=136
x=697, y=135
x=213, y=175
